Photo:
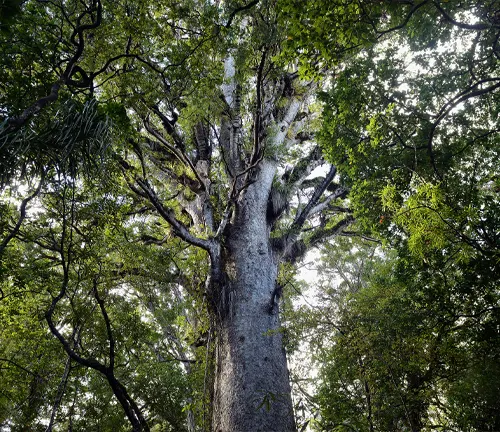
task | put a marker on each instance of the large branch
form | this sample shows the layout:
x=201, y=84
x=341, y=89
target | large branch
x=292, y=122
x=201, y=133
x=302, y=216
x=258, y=129
x=318, y=236
x=288, y=119
x=168, y=215
x=295, y=176
x=231, y=126
x=326, y=203
x=292, y=244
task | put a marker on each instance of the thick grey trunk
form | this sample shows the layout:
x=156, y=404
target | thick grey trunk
x=252, y=389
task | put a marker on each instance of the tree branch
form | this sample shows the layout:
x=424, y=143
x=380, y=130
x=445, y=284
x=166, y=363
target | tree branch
x=238, y=10
x=107, y=322
x=22, y=214
x=322, y=234
x=60, y=392
x=65, y=78
x=447, y=17
x=301, y=217
x=295, y=176
x=326, y=203
x=464, y=95
x=178, y=152
x=179, y=228
x=257, y=150
x=405, y=21
x=17, y=365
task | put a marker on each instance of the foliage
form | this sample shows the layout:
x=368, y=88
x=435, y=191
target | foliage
x=71, y=136
x=79, y=240
x=112, y=126
x=395, y=347
x=420, y=160
x=421, y=156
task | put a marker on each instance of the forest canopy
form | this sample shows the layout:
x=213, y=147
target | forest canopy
x=168, y=167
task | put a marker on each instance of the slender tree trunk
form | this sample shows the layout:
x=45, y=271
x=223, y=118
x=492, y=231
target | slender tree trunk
x=60, y=393
x=252, y=389
x=416, y=405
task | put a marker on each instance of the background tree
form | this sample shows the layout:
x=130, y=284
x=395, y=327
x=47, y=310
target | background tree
x=420, y=161
x=77, y=271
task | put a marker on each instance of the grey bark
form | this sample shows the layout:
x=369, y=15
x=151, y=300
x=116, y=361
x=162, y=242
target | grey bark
x=252, y=390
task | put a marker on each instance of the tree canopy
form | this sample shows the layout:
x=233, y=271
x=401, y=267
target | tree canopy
x=165, y=167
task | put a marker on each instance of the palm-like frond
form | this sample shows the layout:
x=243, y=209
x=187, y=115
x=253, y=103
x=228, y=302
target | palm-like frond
x=70, y=136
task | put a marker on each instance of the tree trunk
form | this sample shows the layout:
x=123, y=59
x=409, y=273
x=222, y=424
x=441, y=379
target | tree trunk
x=252, y=389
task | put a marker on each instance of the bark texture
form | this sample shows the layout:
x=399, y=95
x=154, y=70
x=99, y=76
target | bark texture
x=252, y=390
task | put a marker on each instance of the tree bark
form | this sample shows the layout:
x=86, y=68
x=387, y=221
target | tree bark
x=252, y=389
